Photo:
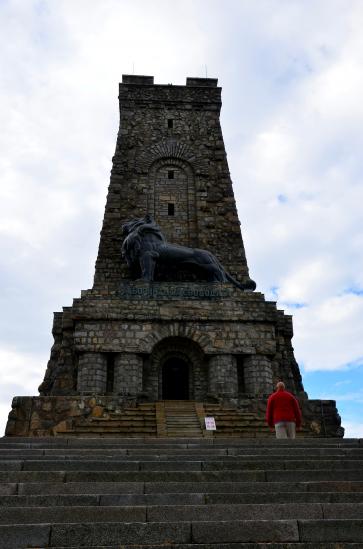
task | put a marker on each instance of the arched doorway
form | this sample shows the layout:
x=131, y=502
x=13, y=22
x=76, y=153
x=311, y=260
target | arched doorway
x=188, y=365
x=175, y=379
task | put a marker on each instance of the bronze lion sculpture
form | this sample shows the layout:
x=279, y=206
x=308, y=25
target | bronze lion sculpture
x=145, y=247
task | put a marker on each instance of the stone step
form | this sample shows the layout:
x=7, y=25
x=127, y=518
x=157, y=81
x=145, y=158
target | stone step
x=182, y=421
x=320, y=440
x=178, y=403
x=167, y=476
x=225, y=512
x=190, y=430
x=178, y=487
x=101, y=445
x=109, y=499
x=202, y=453
x=240, y=425
x=58, y=442
x=130, y=428
x=135, y=412
x=182, y=412
x=168, y=534
x=158, y=464
x=183, y=428
x=298, y=545
x=234, y=446
x=183, y=425
x=165, y=456
x=121, y=422
x=175, y=424
x=260, y=476
x=179, y=513
x=116, y=426
x=284, y=497
x=179, y=499
x=75, y=514
x=131, y=419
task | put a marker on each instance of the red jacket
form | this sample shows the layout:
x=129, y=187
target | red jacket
x=282, y=406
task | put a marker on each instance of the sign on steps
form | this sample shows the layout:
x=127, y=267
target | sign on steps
x=210, y=424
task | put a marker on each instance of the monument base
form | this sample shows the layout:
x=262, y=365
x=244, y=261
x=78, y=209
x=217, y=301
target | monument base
x=127, y=416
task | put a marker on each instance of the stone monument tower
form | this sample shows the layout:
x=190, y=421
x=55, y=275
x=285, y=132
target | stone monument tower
x=173, y=314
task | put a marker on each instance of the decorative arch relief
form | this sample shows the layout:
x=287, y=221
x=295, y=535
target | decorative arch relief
x=171, y=149
x=197, y=339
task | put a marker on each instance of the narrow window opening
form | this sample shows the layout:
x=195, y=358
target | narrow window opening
x=170, y=174
x=170, y=123
x=171, y=208
x=241, y=375
x=110, y=376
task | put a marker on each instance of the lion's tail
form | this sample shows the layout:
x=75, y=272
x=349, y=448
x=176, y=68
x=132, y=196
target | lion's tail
x=249, y=285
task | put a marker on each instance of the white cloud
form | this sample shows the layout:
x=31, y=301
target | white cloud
x=323, y=330
x=20, y=375
x=23, y=365
x=303, y=170
x=353, y=429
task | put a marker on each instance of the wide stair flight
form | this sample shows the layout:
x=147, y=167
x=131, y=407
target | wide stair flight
x=179, y=493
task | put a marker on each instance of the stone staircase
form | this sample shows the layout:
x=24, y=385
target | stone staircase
x=133, y=421
x=110, y=416
x=181, y=418
x=159, y=493
x=171, y=418
x=232, y=422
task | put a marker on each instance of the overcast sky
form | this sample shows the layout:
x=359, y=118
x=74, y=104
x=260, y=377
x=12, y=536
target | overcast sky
x=292, y=119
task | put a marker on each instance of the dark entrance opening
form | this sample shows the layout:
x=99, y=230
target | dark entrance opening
x=175, y=379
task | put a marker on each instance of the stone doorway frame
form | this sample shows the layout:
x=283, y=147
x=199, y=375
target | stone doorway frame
x=176, y=347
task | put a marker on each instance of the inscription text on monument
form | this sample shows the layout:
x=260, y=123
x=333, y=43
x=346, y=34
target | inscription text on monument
x=163, y=290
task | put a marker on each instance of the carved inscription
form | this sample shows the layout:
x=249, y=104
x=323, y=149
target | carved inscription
x=173, y=291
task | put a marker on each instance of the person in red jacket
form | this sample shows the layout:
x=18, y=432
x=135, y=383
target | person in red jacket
x=283, y=412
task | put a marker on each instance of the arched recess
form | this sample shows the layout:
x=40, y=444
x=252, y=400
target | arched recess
x=171, y=200
x=182, y=350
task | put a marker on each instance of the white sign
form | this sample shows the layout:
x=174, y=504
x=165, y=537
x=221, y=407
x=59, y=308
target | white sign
x=210, y=424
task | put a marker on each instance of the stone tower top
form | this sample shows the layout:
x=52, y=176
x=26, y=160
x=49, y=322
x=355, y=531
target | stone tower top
x=137, y=79
x=142, y=80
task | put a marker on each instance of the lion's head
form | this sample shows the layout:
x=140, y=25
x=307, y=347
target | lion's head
x=140, y=235
x=134, y=224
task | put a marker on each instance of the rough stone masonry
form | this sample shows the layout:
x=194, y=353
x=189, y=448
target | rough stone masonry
x=126, y=340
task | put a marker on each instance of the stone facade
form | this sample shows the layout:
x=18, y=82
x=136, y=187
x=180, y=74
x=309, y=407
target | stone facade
x=136, y=335
x=128, y=341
